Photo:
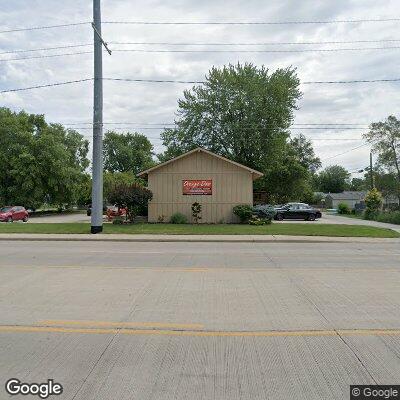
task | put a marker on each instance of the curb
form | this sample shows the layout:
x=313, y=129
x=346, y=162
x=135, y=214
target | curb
x=193, y=239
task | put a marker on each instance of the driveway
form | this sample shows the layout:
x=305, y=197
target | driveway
x=338, y=219
x=58, y=218
x=200, y=321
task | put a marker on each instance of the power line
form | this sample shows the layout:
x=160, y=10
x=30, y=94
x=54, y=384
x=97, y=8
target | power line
x=173, y=124
x=45, y=56
x=46, y=48
x=257, y=51
x=188, y=82
x=44, y=27
x=45, y=86
x=304, y=83
x=351, y=21
x=150, y=80
x=255, y=44
x=345, y=152
x=352, y=81
x=190, y=51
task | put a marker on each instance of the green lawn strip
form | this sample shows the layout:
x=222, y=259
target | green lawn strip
x=303, y=229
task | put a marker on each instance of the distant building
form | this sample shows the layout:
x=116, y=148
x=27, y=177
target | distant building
x=215, y=182
x=351, y=198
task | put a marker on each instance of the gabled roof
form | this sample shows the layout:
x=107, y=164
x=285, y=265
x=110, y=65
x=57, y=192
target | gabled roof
x=349, y=195
x=256, y=174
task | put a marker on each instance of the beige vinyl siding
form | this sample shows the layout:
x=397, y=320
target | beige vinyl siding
x=231, y=185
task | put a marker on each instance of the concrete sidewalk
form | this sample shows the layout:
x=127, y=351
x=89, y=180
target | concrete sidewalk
x=193, y=238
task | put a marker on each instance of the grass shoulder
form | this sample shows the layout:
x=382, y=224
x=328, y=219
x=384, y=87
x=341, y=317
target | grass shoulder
x=302, y=229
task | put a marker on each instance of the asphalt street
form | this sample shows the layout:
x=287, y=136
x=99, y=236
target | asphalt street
x=200, y=320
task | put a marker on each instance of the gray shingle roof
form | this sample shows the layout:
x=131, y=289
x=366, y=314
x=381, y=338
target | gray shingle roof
x=349, y=195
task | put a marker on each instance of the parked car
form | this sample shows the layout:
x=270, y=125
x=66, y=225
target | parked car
x=13, y=213
x=297, y=211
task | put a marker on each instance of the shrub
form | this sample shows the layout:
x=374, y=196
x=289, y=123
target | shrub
x=196, y=211
x=118, y=221
x=266, y=211
x=178, y=218
x=392, y=217
x=343, y=208
x=254, y=220
x=243, y=211
x=373, y=202
x=133, y=197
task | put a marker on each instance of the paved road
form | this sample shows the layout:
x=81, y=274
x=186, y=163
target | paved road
x=200, y=320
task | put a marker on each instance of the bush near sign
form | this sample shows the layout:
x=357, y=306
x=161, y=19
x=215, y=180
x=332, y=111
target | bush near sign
x=201, y=187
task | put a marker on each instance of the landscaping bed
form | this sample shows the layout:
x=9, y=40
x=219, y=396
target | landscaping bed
x=306, y=229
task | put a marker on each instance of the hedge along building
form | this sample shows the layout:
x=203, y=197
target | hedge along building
x=215, y=182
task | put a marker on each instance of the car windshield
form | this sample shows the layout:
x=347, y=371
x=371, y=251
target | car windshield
x=5, y=209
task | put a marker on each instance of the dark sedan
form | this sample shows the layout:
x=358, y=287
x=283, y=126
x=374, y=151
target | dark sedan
x=297, y=211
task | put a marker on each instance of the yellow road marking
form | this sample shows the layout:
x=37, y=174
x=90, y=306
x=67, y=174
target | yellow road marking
x=110, y=324
x=154, y=332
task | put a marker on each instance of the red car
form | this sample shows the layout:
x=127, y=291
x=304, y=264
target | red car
x=13, y=213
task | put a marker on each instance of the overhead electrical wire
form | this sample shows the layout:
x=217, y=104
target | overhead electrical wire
x=342, y=21
x=45, y=56
x=14, y=51
x=252, y=43
x=47, y=48
x=338, y=21
x=345, y=152
x=304, y=83
x=188, y=82
x=34, y=28
x=255, y=51
x=46, y=85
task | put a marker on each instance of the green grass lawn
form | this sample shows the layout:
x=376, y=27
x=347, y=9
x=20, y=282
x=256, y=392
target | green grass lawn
x=305, y=229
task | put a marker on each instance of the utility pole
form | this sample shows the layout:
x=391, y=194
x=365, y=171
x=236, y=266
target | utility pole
x=371, y=170
x=97, y=170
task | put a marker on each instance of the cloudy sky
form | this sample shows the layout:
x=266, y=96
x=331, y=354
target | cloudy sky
x=144, y=104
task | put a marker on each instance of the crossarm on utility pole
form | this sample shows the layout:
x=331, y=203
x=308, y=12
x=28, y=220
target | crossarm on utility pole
x=105, y=44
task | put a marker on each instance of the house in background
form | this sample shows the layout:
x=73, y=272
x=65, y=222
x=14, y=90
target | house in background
x=351, y=198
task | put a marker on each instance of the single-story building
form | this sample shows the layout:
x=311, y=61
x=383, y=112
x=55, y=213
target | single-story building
x=199, y=175
x=351, y=198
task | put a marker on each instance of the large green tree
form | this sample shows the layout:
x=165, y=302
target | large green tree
x=304, y=152
x=333, y=179
x=129, y=152
x=39, y=162
x=244, y=113
x=384, y=137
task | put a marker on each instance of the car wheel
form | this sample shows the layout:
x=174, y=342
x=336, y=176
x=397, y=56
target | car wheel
x=311, y=217
x=9, y=219
x=279, y=217
x=25, y=219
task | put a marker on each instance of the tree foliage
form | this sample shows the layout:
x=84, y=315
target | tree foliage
x=133, y=197
x=304, y=152
x=333, y=179
x=129, y=152
x=39, y=162
x=385, y=139
x=244, y=113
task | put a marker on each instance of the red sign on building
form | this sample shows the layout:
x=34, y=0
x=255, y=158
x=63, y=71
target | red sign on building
x=197, y=187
